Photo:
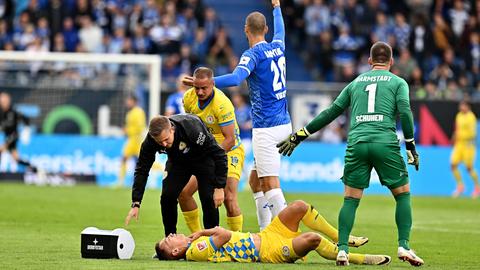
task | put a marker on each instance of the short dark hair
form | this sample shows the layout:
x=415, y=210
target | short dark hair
x=157, y=125
x=381, y=53
x=132, y=97
x=256, y=23
x=465, y=102
x=160, y=253
x=203, y=72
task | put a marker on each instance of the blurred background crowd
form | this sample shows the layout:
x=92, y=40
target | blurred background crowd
x=436, y=42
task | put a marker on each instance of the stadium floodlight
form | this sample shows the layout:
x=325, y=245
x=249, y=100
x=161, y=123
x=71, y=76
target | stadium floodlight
x=44, y=70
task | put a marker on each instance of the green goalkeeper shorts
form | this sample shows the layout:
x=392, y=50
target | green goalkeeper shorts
x=361, y=157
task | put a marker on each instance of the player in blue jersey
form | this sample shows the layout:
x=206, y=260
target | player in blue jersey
x=264, y=67
x=174, y=103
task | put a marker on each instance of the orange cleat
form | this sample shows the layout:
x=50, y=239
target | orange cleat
x=458, y=191
x=476, y=192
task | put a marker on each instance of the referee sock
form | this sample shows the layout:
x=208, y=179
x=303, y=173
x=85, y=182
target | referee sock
x=313, y=220
x=235, y=223
x=264, y=216
x=329, y=251
x=192, y=219
x=346, y=218
x=276, y=201
x=403, y=218
x=122, y=173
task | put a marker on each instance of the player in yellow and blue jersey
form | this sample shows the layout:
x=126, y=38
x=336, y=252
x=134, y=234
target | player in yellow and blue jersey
x=279, y=242
x=217, y=112
x=464, y=148
x=135, y=124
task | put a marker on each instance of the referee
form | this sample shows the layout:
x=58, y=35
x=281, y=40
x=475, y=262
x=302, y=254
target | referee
x=191, y=150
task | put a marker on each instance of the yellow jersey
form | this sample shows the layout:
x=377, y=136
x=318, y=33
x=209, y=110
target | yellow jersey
x=217, y=111
x=135, y=123
x=465, y=127
x=240, y=248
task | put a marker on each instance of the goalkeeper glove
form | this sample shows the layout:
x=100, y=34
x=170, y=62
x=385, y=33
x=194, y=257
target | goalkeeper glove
x=412, y=155
x=287, y=146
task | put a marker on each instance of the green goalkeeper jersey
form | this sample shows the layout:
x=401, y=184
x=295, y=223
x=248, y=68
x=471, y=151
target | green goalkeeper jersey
x=376, y=98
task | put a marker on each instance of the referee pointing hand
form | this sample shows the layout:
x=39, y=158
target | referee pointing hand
x=191, y=150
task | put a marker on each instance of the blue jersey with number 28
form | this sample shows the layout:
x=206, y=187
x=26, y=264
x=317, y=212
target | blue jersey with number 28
x=264, y=67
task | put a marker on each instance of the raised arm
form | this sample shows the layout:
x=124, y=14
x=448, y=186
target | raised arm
x=278, y=24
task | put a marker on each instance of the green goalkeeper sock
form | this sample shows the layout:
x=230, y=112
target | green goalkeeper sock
x=403, y=218
x=346, y=218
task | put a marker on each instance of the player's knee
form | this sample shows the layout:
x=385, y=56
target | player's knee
x=184, y=196
x=299, y=206
x=313, y=239
x=453, y=166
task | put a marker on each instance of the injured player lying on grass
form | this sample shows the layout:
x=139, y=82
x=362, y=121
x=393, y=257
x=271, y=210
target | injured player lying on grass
x=279, y=242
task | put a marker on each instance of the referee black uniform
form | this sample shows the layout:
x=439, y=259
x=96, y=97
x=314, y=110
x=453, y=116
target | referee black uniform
x=194, y=152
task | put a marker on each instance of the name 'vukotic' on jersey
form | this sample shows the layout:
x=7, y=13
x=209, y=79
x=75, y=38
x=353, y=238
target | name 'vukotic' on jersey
x=266, y=65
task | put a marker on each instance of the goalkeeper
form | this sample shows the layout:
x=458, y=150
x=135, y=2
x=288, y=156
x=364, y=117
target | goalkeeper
x=279, y=242
x=375, y=98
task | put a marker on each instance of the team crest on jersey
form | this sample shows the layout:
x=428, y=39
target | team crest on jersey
x=202, y=245
x=182, y=146
x=234, y=161
x=285, y=251
x=210, y=119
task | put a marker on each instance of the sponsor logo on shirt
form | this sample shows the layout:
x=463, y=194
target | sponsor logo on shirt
x=285, y=251
x=202, y=245
x=244, y=60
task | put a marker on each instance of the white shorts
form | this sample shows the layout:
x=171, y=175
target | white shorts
x=265, y=152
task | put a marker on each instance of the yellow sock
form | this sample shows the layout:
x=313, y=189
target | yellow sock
x=474, y=176
x=317, y=222
x=235, y=223
x=192, y=219
x=356, y=258
x=122, y=173
x=457, y=176
x=329, y=251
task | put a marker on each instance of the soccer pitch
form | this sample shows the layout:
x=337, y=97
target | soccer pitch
x=40, y=228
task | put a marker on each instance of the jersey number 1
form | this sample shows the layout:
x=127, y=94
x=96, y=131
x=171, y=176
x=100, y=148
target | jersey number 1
x=371, y=89
x=279, y=74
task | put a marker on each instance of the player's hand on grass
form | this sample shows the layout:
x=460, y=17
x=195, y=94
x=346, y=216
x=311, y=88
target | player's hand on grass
x=133, y=213
x=287, y=146
x=187, y=80
x=275, y=3
x=218, y=197
x=412, y=155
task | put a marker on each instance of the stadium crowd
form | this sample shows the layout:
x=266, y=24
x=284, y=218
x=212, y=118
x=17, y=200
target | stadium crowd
x=184, y=32
x=436, y=42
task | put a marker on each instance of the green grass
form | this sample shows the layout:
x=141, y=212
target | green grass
x=40, y=228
